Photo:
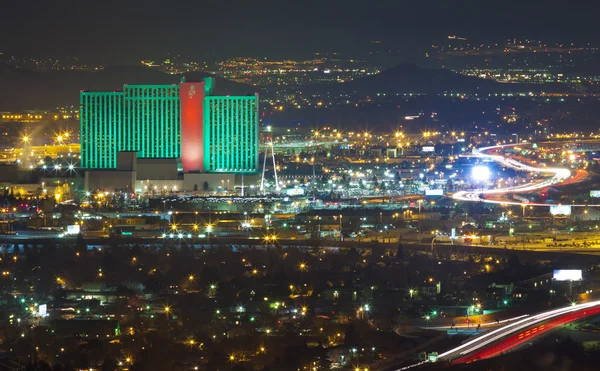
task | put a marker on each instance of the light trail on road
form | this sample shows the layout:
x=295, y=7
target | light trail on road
x=559, y=175
x=494, y=335
x=525, y=335
x=508, y=330
x=486, y=324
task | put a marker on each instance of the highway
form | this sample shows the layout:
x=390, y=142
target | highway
x=558, y=175
x=509, y=336
x=525, y=336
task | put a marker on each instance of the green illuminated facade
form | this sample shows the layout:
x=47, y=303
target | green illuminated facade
x=152, y=120
x=142, y=118
x=231, y=133
x=148, y=119
x=101, y=128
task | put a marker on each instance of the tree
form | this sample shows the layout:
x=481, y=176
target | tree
x=205, y=186
x=351, y=336
x=400, y=252
x=80, y=245
x=195, y=187
x=109, y=364
x=450, y=185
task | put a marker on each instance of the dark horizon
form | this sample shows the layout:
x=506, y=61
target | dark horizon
x=111, y=32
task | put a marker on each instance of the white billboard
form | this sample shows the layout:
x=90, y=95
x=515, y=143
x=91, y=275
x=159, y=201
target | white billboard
x=428, y=149
x=43, y=310
x=73, y=229
x=434, y=192
x=567, y=275
x=560, y=210
x=595, y=193
x=294, y=191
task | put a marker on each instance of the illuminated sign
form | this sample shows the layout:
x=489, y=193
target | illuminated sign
x=595, y=193
x=428, y=149
x=294, y=191
x=191, y=96
x=567, y=275
x=73, y=229
x=43, y=310
x=560, y=210
x=434, y=192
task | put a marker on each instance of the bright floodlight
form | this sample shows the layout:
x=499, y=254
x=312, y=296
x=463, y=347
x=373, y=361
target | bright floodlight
x=480, y=173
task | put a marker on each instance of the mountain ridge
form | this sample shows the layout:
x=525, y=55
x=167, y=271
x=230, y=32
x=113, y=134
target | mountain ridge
x=26, y=89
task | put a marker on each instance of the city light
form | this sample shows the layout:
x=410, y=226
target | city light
x=480, y=173
x=308, y=197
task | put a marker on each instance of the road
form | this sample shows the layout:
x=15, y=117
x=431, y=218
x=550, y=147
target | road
x=557, y=176
x=527, y=335
x=502, y=339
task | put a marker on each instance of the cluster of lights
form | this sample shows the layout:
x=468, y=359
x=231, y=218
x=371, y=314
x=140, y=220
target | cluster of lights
x=182, y=235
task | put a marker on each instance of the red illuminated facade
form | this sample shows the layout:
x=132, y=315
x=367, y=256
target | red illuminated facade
x=191, y=96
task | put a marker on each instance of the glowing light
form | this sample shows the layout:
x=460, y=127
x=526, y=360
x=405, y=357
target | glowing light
x=480, y=173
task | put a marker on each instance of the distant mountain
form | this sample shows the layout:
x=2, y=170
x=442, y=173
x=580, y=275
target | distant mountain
x=24, y=89
x=409, y=78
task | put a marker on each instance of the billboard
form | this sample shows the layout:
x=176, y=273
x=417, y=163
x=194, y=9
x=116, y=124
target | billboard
x=434, y=192
x=567, y=275
x=43, y=310
x=560, y=210
x=294, y=191
x=428, y=149
x=73, y=229
x=595, y=193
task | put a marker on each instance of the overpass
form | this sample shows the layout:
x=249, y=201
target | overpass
x=558, y=176
x=509, y=336
x=565, y=255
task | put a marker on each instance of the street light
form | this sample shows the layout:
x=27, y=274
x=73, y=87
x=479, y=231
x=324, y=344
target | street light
x=419, y=202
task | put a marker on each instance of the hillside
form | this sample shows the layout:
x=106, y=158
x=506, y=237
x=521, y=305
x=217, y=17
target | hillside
x=24, y=89
x=409, y=78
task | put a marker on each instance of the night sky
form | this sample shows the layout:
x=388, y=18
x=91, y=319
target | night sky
x=125, y=31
